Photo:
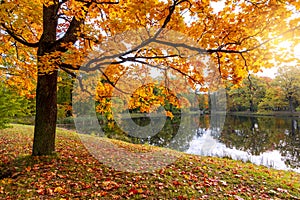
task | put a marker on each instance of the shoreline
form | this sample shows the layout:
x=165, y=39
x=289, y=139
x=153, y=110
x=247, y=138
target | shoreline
x=266, y=114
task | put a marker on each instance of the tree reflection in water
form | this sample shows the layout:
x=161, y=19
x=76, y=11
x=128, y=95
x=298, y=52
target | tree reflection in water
x=270, y=141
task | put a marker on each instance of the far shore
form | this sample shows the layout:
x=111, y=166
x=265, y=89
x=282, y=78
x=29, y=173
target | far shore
x=271, y=113
x=238, y=113
x=69, y=120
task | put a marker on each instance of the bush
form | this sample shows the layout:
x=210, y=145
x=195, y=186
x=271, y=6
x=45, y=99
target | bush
x=13, y=106
x=9, y=106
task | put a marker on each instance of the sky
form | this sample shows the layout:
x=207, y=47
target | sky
x=266, y=72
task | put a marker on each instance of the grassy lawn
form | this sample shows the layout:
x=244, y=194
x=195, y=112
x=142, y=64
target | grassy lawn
x=74, y=174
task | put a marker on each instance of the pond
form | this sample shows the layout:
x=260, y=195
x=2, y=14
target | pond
x=270, y=141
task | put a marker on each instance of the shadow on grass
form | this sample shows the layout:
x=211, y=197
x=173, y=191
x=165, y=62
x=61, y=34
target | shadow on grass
x=18, y=165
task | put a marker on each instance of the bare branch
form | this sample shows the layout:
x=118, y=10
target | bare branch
x=176, y=45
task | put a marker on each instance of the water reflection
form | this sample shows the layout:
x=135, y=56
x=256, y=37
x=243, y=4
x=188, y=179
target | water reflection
x=207, y=145
x=263, y=136
x=270, y=141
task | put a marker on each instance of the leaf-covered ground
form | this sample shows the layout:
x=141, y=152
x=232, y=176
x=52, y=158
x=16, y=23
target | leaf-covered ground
x=74, y=174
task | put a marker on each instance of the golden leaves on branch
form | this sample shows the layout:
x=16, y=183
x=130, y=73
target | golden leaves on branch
x=241, y=26
x=23, y=18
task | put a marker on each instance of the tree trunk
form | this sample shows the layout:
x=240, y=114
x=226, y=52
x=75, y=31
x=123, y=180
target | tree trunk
x=46, y=114
x=252, y=108
x=46, y=91
x=291, y=106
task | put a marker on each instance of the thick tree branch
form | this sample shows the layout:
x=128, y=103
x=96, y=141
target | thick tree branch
x=67, y=68
x=112, y=83
x=219, y=63
x=73, y=32
x=69, y=72
x=169, y=16
x=98, y=2
x=18, y=38
x=123, y=60
x=146, y=42
x=70, y=36
x=220, y=49
x=271, y=39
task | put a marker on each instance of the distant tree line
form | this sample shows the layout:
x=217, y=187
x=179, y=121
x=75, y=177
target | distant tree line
x=262, y=94
x=253, y=94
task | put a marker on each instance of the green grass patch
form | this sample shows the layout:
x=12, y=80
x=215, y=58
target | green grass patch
x=73, y=173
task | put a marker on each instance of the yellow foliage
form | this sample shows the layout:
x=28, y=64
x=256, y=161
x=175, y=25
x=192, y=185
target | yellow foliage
x=169, y=114
x=241, y=38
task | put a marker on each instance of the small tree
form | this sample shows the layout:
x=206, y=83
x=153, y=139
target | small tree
x=12, y=105
x=288, y=79
x=247, y=95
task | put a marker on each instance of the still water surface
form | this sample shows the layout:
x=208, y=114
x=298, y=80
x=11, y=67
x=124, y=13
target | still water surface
x=270, y=141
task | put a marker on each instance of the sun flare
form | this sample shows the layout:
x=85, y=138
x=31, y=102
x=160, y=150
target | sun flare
x=287, y=47
x=297, y=51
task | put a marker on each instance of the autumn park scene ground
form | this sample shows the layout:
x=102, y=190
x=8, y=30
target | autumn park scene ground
x=157, y=99
x=74, y=174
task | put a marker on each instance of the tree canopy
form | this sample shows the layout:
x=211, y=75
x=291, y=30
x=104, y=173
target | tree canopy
x=40, y=38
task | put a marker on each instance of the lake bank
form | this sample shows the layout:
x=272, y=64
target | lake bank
x=74, y=173
x=241, y=113
x=272, y=141
x=273, y=113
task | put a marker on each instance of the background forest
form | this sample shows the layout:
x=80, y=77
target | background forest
x=256, y=94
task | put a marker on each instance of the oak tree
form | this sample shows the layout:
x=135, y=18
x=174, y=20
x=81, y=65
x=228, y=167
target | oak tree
x=41, y=37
